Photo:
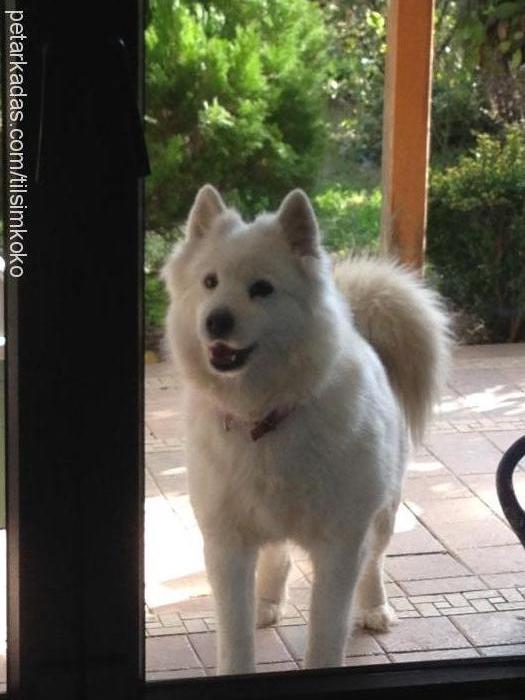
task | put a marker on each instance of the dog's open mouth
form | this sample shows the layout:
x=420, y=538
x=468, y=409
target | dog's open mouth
x=225, y=358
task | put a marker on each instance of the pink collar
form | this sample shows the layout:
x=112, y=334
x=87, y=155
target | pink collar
x=258, y=429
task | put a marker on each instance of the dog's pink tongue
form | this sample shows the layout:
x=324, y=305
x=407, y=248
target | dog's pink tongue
x=220, y=351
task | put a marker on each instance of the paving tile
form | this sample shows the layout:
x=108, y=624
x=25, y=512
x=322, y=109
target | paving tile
x=503, y=650
x=425, y=465
x=300, y=597
x=511, y=595
x=296, y=577
x=174, y=675
x=268, y=647
x=486, y=593
x=173, y=484
x=463, y=610
x=484, y=486
x=427, y=599
x=169, y=617
x=419, y=451
x=290, y=610
x=427, y=610
x=276, y=667
x=201, y=606
x=292, y=621
x=204, y=645
x=503, y=439
x=366, y=660
x=510, y=606
x=505, y=580
x=494, y=560
x=164, y=428
x=167, y=631
x=476, y=380
x=443, y=585
x=416, y=541
x=392, y=589
x=455, y=510
x=482, y=533
x=151, y=488
x=173, y=652
x=456, y=599
x=360, y=643
x=196, y=625
x=306, y=568
x=424, y=566
x=295, y=639
x=159, y=462
x=401, y=604
x=482, y=605
x=434, y=488
x=465, y=453
x=414, y=656
x=423, y=634
x=484, y=629
x=264, y=668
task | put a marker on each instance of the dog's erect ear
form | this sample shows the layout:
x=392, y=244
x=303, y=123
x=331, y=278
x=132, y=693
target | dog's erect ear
x=299, y=225
x=207, y=206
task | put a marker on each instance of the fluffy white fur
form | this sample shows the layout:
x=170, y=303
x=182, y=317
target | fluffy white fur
x=360, y=362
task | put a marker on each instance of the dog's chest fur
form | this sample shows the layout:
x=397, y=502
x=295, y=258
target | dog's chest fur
x=315, y=473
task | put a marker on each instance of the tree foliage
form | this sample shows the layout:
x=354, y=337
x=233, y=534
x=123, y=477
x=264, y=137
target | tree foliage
x=492, y=33
x=234, y=96
x=357, y=47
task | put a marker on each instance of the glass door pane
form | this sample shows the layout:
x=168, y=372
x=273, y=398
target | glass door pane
x=257, y=103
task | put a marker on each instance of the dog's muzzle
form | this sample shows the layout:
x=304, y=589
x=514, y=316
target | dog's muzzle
x=224, y=358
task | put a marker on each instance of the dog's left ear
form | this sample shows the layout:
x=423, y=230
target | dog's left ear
x=298, y=223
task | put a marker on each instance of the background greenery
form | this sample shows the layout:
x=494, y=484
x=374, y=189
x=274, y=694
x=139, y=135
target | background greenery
x=259, y=96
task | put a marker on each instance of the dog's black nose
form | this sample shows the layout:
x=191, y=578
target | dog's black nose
x=219, y=323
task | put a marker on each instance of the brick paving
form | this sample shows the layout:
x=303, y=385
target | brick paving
x=456, y=570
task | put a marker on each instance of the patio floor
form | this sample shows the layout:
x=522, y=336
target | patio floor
x=456, y=570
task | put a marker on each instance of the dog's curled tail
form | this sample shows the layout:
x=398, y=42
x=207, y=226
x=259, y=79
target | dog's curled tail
x=407, y=325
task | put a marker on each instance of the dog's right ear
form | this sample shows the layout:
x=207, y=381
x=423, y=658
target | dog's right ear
x=208, y=205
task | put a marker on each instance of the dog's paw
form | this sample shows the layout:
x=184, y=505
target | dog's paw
x=268, y=613
x=378, y=619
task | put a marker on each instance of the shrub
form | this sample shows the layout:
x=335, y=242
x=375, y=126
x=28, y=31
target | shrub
x=349, y=218
x=156, y=299
x=476, y=232
x=234, y=97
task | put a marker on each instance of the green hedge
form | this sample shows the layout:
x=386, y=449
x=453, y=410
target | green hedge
x=476, y=232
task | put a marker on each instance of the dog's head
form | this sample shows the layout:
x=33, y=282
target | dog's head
x=251, y=316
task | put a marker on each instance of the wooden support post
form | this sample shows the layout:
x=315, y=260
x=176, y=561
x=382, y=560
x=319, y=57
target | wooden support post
x=406, y=122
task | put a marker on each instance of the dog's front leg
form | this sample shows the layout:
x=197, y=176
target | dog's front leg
x=230, y=565
x=336, y=569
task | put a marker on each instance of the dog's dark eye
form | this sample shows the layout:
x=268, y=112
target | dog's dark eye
x=211, y=281
x=260, y=288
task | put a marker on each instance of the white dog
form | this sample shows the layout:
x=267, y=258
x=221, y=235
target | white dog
x=301, y=393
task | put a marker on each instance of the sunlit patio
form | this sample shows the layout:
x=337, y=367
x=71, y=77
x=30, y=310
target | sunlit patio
x=456, y=570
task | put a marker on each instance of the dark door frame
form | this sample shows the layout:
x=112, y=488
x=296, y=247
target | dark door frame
x=75, y=395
